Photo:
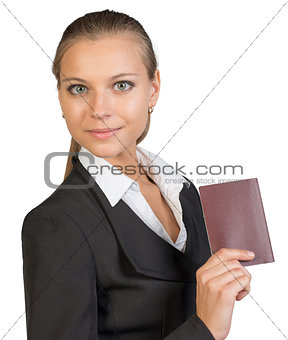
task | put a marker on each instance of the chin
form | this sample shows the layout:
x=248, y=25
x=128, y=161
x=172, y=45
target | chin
x=106, y=150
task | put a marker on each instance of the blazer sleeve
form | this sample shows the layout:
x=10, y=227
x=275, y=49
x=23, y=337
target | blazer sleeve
x=59, y=277
x=193, y=328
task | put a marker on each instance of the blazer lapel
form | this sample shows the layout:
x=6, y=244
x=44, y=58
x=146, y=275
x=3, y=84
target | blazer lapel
x=148, y=253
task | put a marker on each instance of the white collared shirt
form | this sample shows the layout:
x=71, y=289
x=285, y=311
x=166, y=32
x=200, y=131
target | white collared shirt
x=120, y=186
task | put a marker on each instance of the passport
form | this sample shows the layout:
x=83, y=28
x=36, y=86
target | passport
x=235, y=218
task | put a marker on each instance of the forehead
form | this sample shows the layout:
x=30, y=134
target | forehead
x=103, y=57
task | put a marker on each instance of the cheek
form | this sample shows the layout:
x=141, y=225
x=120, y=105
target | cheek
x=71, y=107
x=136, y=115
x=73, y=111
x=74, y=120
x=136, y=109
x=137, y=123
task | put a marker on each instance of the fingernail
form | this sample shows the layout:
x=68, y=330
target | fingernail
x=250, y=253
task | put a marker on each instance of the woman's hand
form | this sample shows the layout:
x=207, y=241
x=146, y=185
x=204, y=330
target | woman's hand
x=221, y=281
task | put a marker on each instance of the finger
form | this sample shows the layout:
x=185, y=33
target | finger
x=243, y=293
x=227, y=278
x=238, y=285
x=225, y=254
x=247, y=272
x=247, y=290
x=218, y=270
x=229, y=265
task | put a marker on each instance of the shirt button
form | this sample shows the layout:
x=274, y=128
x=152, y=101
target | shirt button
x=134, y=186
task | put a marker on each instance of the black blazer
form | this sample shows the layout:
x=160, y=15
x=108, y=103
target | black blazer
x=93, y=272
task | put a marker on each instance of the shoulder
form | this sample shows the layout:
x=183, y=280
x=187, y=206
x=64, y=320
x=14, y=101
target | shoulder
x=47, y=220
x=62, y=201
x=53, y=213
x=68, y=211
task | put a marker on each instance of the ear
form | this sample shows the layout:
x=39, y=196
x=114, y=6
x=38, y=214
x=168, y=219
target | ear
x=155, y=88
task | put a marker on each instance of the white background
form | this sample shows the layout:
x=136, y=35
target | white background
x=243, y=121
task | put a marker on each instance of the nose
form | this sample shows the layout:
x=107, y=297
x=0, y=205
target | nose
x=99, y=114
x=99, y=107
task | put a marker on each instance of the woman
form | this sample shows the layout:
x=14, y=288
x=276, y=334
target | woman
x=118, y=255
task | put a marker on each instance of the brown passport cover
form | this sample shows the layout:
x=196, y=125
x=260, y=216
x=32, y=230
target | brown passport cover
x=234, y=217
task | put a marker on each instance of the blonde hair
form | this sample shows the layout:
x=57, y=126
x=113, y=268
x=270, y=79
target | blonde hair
x=94, y=26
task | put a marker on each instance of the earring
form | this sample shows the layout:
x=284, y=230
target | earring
x=150, y=109
x=63, y=115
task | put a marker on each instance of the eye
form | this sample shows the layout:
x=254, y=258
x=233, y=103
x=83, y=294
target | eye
x=79, y=89
x=122, y=87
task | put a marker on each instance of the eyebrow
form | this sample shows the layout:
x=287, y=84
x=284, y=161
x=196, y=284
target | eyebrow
x=111, y=78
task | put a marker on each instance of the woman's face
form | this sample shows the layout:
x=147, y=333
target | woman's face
x=121, y=101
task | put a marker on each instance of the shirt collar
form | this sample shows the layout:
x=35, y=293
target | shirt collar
x=114, y=184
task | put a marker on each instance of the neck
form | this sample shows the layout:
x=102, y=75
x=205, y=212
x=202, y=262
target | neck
x=128, y=164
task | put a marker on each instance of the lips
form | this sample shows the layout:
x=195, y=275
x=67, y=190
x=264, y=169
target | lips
x=103, y=130
x=103, y=134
